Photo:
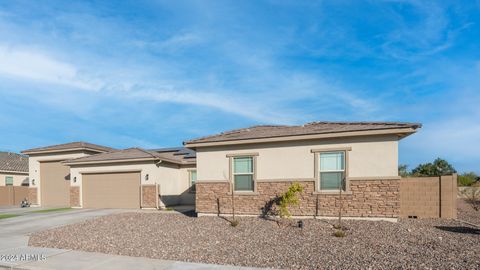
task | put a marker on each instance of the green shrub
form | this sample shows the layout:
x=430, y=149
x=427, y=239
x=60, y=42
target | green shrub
x=467, y=179
x=289, y=198
x=339, y=233
x=234, y=223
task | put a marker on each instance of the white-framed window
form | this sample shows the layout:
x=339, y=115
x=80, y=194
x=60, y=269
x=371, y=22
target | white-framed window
x=8, y=180
x=243, y=174
x=331, y=170
x=193, y=180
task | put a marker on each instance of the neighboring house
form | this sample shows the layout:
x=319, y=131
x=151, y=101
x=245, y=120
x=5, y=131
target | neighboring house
x=260, y=162
x=49, y=177
x=13, y=169
x=86, y=175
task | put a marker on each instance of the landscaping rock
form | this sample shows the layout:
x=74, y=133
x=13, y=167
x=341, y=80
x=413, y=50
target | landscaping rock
x=262, y=243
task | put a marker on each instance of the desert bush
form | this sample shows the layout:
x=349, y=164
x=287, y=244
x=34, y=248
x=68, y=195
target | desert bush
x=278, y=206
x=234, y=223
x=467, y=179
x=472, y=196
x=339, y=233
x=289, y=198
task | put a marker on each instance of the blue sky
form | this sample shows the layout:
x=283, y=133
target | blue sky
x=156, y=73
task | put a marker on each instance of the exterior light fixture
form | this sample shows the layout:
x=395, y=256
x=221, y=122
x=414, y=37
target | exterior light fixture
x=146, y=177
x=75, y=179
x=301, y=224
x=33, y=182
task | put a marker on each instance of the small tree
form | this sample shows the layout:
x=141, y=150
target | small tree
x=234, y=222
x=437, y=168
x=289, y=198
x=340, y=208
x=472, y=196
x=278, y=206
x=403, y=170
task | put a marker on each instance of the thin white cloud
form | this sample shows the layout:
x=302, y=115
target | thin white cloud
x=33, y=65
x=431, y=35
x=171, y=44
x=234, y=104
x=28, y=64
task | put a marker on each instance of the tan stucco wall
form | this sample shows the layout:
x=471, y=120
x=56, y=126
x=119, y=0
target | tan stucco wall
x=17, y=178
x=172, y=179
x=34, y=166
x=375, y=156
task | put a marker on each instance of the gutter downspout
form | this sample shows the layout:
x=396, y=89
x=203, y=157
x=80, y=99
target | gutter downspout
x=157, y=189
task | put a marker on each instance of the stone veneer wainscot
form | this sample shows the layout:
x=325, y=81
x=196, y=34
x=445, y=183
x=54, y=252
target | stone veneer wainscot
x=366, y=198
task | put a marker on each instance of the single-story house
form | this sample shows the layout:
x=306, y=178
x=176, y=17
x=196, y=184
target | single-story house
x=260, y=162
x=256, y=164
x=13, y=169
x=81, y=174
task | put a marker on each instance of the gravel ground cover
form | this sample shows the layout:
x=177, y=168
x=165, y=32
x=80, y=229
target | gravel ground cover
x=256, y=242
x=466, y=212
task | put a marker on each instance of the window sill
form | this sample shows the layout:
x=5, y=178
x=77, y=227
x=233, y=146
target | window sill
x=334, y=192
x=244, y=193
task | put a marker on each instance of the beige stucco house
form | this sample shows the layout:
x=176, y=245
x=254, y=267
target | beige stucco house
x=13, y=169
x=87, y=175
x=133, y=178
x=360, y=159
x=260, y=162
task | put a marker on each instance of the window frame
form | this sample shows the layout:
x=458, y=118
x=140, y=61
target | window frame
x=232, y=158
x=8, y=177
x=192, y=187
x=317, y=153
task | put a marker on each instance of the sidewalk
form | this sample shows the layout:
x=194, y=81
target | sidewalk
x=76, y=260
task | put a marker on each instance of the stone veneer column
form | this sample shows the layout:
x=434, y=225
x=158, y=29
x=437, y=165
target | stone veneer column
x=32, y=195
x=149, y=194
x=74, y=196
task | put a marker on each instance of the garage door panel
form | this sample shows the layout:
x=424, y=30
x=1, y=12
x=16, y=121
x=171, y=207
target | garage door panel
x=54, y=184
x=111, y=190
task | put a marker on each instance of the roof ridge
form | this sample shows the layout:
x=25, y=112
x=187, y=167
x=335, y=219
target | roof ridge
x=360, y=123
x=146, y=151
x=238, y=130
x=72, y=145
x=311, y=128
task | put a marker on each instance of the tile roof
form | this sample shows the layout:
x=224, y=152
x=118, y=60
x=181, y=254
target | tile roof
x=134, y=154
x=271, y=131
x=68, y=146
x=13, y=162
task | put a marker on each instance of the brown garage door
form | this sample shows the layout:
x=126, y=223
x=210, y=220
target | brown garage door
x=54, y=184
x=111, y=190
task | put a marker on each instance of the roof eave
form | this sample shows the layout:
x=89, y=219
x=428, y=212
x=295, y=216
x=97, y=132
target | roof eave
x=398, y=131
x=33, y=152
x=13, y=172
x=127, y=160
x=72, y=162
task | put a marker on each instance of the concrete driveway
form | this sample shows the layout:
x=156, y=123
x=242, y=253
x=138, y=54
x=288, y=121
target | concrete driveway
x=16, y=254
x=17, y=210
x=14, y=231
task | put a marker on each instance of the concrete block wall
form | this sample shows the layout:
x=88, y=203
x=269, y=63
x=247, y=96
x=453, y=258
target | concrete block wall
x=428, y=197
